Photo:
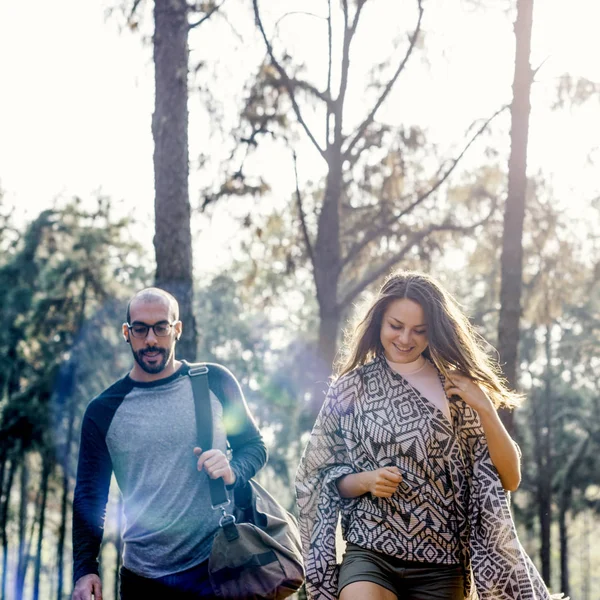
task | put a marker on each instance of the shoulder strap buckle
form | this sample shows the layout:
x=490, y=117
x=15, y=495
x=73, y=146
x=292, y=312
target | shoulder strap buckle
x=198, y=370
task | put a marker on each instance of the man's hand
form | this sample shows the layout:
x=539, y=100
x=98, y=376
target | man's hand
x=216, y=465
x=86, y=586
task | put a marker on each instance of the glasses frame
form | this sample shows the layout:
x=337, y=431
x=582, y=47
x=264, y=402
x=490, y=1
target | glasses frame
x=148, y=327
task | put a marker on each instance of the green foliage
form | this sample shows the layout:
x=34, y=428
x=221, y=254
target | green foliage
x=67, y=263
x=240, y=329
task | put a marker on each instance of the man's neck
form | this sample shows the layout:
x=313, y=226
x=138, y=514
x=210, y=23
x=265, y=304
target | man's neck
x=138, y=374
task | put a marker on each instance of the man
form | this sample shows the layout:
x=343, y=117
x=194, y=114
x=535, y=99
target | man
x=143, y=428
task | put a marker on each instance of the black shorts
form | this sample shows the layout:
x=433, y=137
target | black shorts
x=409, y=580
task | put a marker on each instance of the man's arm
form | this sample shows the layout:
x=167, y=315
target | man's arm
x=94, y=471
x=249, y=453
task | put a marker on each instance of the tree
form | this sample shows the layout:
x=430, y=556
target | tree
x=173, y=238
x=557, y=284
x=514, y=210
x=67, y=263
x=173, y=19
x=376, y=207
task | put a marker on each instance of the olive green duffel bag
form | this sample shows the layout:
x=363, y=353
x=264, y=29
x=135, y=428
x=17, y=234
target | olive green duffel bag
x=256, y=553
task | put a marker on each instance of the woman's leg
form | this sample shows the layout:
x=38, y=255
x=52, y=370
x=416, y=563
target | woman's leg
x=365, y=590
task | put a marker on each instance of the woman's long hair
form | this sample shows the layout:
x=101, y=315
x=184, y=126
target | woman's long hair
x=453, y=341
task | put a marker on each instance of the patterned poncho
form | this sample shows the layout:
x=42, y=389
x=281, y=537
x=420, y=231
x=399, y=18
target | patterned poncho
x=372, y=418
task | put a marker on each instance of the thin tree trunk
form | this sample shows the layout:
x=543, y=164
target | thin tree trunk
x=62, y=532
x=578, y=454
x=4, y=523
x=514, y=215
x=119, y=547
x=564, y=549
x=22, y=558
x=173, y=238
x=327, y=270
x=543, y=481
x=545, y=487
x=3, y=465
x=586, y=571
x=41, y=522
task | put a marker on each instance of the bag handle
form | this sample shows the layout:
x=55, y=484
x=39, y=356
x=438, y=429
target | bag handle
x=204, y=429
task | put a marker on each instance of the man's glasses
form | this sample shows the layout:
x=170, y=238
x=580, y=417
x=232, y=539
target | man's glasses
x=140, y=330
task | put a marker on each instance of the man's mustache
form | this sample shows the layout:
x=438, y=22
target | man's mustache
x=150, y=350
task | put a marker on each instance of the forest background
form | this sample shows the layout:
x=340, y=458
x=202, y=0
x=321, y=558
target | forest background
x=296, y=153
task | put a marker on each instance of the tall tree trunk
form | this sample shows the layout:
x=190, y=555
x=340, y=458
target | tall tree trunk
x=514, y=214
x=41, y=522
x=586, y=571
x=119, y=547
x=545, y=466
x=327, y=268
x=23, y=502
x=6, y=491
x=64, y=503
x=564, y=546
x=173, y=238
x=3, y=464
x=544, y=498
x=578, y=454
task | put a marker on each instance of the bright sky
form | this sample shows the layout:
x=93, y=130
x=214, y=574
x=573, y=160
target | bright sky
x=77, y=97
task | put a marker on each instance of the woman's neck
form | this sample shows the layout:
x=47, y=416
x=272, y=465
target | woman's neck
x=407, y=368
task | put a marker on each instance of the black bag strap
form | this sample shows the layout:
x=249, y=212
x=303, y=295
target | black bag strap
x=204, y=427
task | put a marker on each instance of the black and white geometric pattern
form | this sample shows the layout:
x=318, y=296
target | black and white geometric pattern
x=450, y=507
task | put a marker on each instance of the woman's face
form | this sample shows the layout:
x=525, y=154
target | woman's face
x=403, y=331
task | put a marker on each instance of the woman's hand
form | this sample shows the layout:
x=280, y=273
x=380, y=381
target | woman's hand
x=381, y=482
x=503, y=450
x=465, y=388
x=384, y=482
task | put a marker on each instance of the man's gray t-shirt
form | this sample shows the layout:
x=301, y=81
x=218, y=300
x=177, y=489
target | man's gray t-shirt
x=145, y=433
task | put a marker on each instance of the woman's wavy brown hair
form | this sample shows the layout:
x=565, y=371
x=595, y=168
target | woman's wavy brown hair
x=453, y=341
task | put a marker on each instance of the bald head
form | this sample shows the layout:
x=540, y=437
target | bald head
x=153, y=295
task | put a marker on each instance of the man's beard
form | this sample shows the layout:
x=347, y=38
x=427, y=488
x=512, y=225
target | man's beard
x=156, y=368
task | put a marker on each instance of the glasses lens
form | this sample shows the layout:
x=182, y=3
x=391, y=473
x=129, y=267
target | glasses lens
x=139, y=331
x=162, y=329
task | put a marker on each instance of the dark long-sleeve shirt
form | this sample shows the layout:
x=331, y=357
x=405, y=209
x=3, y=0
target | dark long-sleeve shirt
x=145, y=434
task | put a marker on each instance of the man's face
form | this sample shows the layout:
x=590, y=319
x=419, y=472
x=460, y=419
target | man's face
x=152, y=353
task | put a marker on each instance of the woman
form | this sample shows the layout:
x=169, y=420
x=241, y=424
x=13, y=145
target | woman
x=409, y=448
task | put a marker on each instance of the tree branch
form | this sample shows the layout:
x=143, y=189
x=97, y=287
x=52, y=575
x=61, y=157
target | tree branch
x=359, y=6
x=307, y=242
x=305, y=85
x=376, y=273
x=371, y=116
x=286, y=80
x=235, y=32
x=358, y=247
x=329, y=70
x=297, y=12
x=349, y=31
x=134, y=7
x=207, y=16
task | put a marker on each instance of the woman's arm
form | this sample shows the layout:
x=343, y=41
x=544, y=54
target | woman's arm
x=380, y=482
x=503, y=450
